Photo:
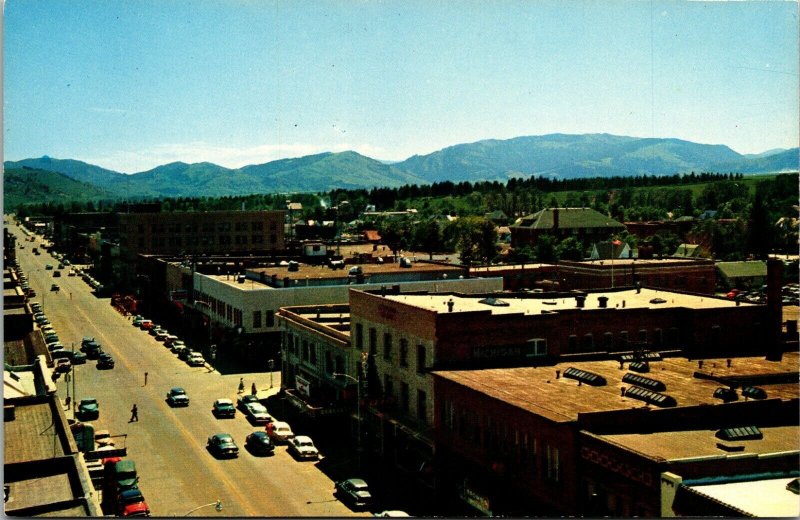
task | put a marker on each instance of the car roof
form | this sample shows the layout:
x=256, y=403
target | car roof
x=223, y=436
x=224, y=401
x=357, y=482
x=176, y=389
x=88, y=400
x=300, y=438
x=280, y=424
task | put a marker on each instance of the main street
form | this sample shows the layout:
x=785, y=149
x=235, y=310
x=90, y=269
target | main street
x=177, y=474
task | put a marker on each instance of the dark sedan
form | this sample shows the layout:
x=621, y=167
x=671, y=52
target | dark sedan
x=354, y=491
x=222, y=445
x=259, y=443
x=177, y=397
x=223, y=408
x=105, y=361
x=88, y=409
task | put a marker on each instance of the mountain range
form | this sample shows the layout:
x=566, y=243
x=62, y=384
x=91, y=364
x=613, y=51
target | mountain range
x=554, y=155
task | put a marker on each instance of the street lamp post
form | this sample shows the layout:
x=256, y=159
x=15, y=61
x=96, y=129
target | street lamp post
x=217, y=505
x=271, y=365
x=358, y=411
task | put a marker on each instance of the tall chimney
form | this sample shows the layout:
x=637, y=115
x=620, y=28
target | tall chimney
x=555, y=219
x=774, y=281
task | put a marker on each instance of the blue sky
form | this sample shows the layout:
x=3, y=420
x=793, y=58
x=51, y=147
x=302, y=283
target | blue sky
x=130, y=85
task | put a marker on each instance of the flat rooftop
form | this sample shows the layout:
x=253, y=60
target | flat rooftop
x=510, y=267
x=691, y=444
x=760, y=498
x=539, y=391
x=627, y=299
x=30, y=435
x=325, y=272
x=639, y=262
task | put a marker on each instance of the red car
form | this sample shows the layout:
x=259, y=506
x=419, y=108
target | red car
x=731, y=295
x=131, y=503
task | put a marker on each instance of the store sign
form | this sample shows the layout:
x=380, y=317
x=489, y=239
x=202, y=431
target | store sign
x=303, y=386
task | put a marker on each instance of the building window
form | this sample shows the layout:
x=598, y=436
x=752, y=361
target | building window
x=388, y=386
x=422, y=406
x=404, y=396
x=643, y=335
x=420, y=359
x=328, y=362
x=313, y=354
x=339, y=365
x=572, y=343
x=256, y=319
x=359, y=337
x=588, y=342
x=403, y=352
x=672, y=336
x=305, y=350
x=373, y=341
x=608, y=341
x=538, y=346
x=552, y=464
x=387, y=346
x=623, y=339
x=270, y=318
x=659, y=337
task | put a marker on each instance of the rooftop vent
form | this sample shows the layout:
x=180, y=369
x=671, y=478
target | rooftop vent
x=649, y=356
x=638, y=366
x=753, y=392
x=648, y=396
x=742, y=433
x=585, y=377
x=602, y=301
x=726, y=394
x=656, y=301
x=644, y=382
x=494, y=302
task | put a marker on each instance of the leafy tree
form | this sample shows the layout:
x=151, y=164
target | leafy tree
x=759, y=232
x=570, y=249
x=428, y=237
x=544, y=250
x=394, y=233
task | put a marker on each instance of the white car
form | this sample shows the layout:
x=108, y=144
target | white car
x=303, y=448
x=196, y=360
x=257, y=413
x=280, y=432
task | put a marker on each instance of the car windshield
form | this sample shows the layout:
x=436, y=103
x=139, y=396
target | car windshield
x=257, y=408
x=224, y=439
x=305, y=443
x=88, y=401
x=224, y=403
x=178, y=391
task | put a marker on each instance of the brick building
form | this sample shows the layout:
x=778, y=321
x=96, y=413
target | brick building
x=596, y=438
x=692, y=275
x=200, y=232
x=585, y=224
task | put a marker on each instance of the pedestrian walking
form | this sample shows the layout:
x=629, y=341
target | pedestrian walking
x=145, y=379
x=134, y=414
x=68, y=402
x=241, y=385
x=253, y=389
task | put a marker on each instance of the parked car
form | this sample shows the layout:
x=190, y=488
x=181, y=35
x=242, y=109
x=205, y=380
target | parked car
x=146, y=324
x=392, y=513
x=48, y=267
x=137, y=321
x=124, y=474
x=131, y=503
x=183, y=355
x=259, y=443
x=280, y=432
x=153, y=331
x=179, y=349
x=170, y=339
x=177, y=397
x=55, y=287
x=56, y=274
x=63, y=365
x=161, y=335
x=55, y=347
x=50, y=339
x=223, y=445
x=246, y=399
x=196, y=360
x=257, y=413
x=88, y=408
x=303, y=448
x=86, y=340
x=78, y=358
x=105, y=361
x=353, y=491
x=223, y=408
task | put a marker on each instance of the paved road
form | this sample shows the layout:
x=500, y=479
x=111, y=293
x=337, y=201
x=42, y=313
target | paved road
x=177, y=473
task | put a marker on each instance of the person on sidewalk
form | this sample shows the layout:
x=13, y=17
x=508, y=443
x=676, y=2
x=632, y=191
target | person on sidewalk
x=253, y=389
x=134, y=414
x=241, y=385
x=145, y=379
